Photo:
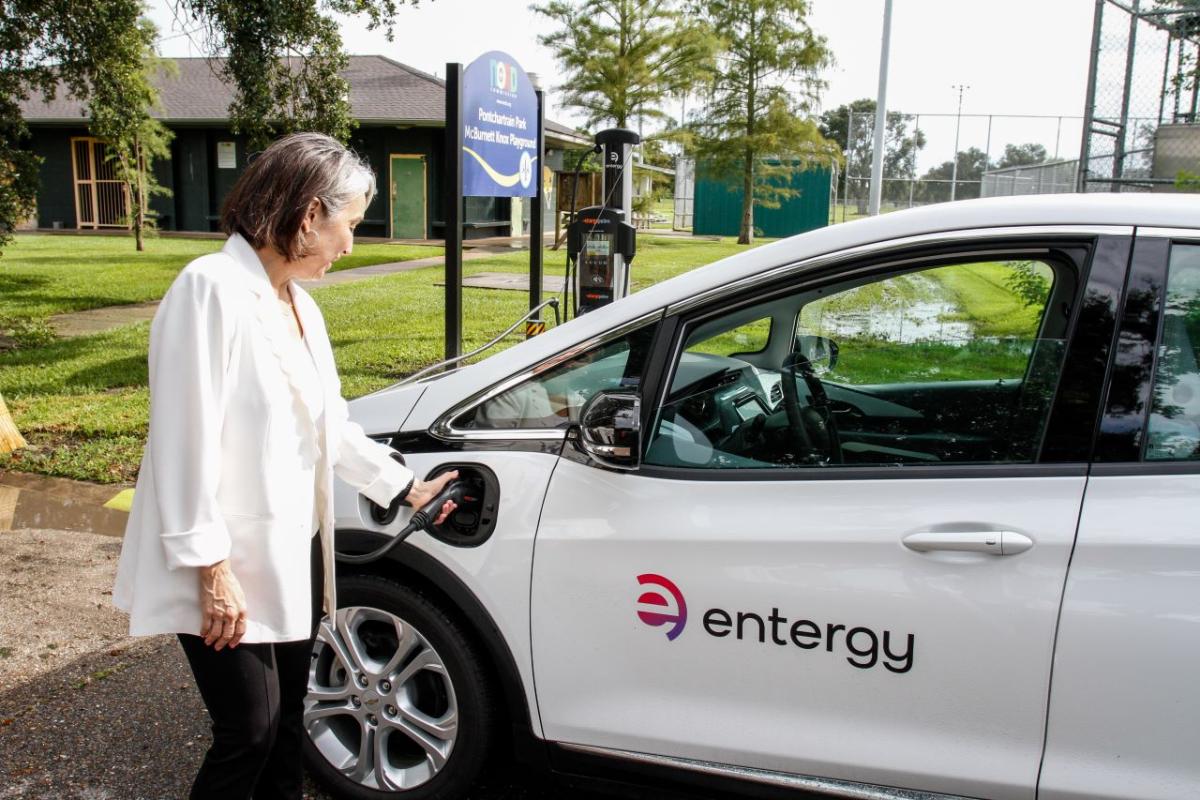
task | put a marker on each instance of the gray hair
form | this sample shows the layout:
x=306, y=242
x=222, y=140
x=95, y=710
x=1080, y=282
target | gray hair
x=268, y=203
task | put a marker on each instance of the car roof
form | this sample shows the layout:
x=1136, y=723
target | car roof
x=1128, y=209
x=1145, y=210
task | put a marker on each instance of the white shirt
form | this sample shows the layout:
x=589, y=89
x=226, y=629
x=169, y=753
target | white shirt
x=247, y=427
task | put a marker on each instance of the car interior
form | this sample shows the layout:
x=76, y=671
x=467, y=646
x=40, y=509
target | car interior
x=841, y=389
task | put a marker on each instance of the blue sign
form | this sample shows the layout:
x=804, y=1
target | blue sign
x=499, y=111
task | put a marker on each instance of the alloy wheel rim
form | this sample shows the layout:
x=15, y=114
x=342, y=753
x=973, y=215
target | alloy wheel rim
x=380, y=708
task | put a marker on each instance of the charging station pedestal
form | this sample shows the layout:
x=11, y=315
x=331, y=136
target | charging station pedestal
x=602, y=245
x=600, y=240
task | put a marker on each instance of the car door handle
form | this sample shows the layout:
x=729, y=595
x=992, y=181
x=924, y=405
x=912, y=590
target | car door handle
x=996, y=543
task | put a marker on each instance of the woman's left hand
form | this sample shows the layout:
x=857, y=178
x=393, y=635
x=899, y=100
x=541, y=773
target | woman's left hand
x=424, y=491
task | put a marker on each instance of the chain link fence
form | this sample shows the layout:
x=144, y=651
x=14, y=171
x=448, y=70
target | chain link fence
x=934, y=158
x=1141, y=124
x=1051, y=177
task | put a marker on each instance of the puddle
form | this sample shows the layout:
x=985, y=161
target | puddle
x=32, y=501
x=912, y=321
x=916, y=322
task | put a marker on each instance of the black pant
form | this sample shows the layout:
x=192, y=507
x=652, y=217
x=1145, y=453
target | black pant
x=255, y=696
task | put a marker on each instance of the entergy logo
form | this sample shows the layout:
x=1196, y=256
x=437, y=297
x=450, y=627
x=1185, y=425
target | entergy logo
x=668, y=604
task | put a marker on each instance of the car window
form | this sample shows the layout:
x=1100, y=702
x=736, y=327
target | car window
x=1174, y=426
x=953, y=363
x=553, y=398
x=751, y=337
x=953, y=323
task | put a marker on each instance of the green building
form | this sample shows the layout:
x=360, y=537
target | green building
x=718, y=204
x=401, y=130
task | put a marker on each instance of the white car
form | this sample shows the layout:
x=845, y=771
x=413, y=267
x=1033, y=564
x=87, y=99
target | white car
x=906, y=507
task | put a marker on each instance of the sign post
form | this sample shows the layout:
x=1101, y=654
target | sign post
x=535, y=217
x=454, y=209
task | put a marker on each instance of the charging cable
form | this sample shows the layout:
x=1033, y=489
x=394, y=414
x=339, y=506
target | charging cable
x=583, y=156
x=422, y=520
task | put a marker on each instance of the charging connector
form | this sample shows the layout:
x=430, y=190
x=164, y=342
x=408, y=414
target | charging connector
x=422, y=520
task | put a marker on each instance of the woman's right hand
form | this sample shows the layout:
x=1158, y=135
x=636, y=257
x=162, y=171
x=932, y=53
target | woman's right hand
x=424, y=491
x=223, y=606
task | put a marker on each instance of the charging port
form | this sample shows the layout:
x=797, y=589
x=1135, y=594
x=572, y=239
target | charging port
x=473, y=522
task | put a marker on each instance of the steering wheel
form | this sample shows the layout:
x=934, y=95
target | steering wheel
x=812, y=426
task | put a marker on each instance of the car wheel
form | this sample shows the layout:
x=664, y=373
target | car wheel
x=398, y=704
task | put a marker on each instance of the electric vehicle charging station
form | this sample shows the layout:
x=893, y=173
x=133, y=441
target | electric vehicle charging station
x=601, y=243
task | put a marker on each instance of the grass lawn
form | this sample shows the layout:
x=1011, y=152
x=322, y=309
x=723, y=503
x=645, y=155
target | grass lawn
x=83, y=403
x=43, y=274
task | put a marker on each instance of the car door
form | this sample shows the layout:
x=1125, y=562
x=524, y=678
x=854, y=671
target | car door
x=1123, y=706
x=838, y=569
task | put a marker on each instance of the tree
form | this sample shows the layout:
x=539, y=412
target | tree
x=1019, y=155
x=285, y=61
x=752, y=124
x=45, y=43
x=47, y=46
x=120, y=115
x=1183, y=21
x=623, y=60
x=858, y=143
x=99, y=54
x=935, y=183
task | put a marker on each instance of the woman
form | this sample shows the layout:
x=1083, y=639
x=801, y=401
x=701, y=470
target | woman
x=247, y=429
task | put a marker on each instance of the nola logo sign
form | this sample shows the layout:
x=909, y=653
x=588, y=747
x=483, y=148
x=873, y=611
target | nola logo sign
x=662, y=604
x=504, y=76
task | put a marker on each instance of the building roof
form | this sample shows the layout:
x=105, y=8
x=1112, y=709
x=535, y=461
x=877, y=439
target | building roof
x=381, y=91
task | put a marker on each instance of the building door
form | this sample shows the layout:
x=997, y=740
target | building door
x=407, y=193
x=101, y=198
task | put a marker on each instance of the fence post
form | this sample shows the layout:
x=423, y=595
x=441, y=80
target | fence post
x=1089, y=107
x=849, y=151
x=1123, y=130
x=987, y=150
x=912, y=163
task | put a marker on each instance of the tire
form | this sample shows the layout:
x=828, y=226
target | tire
x=439, y=678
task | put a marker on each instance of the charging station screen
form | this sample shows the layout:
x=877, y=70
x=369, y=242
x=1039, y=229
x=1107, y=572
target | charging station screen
x=599, y=245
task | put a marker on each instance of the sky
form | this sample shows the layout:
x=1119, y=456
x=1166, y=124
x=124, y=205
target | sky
x=1020, y=57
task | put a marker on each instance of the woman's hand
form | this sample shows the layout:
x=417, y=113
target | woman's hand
x=223, y=606
x=424, y=491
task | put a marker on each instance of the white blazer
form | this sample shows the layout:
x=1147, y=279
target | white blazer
x=237, y=460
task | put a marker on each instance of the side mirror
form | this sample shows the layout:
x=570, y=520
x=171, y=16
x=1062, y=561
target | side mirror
x=820, y=351
x=610, y=429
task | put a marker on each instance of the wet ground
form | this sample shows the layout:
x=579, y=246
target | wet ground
x=34, y=501
x=87, y=712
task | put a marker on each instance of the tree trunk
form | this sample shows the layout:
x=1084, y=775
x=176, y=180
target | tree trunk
x=746, y=234
x=140, y=222
x=10, y=437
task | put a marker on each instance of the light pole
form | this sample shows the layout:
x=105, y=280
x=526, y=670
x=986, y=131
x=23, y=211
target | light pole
x=957, y=124
x=880, y=112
